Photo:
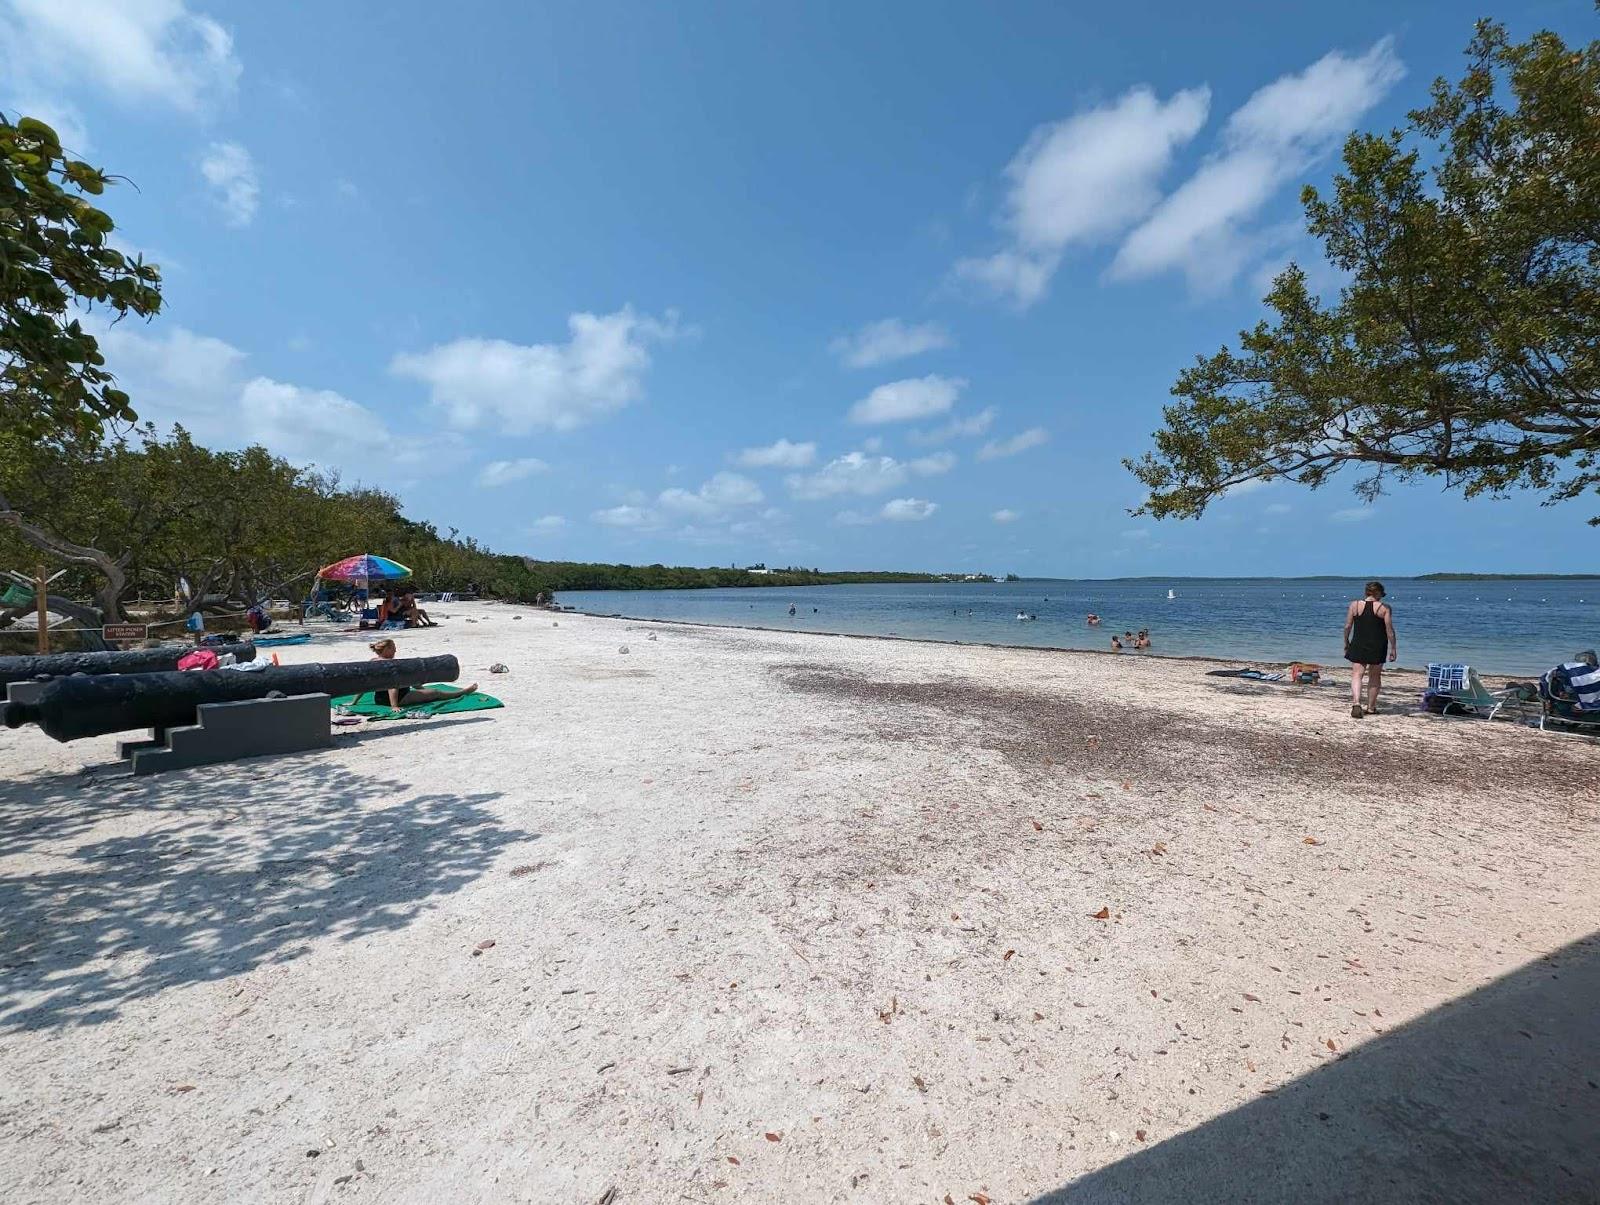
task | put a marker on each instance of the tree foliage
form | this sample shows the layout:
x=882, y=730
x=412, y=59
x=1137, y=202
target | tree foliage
x=1465, y=344
x=139, y=515
x=55, y=254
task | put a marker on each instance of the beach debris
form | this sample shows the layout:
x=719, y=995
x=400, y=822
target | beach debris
x=607, y=1197
x=555, y=623
x=180, y=1089
x=499, y=667
x=478, y=949
x=603, y=1068
x=313, y=1153
x=1007, y=956
x=652, y=636
x=733, y=1160
x=1037, y=827
x=1139, y=1134
x=1313, y=841
x=1103, y=914
x=917, y=1080
x=772, y=1137
x=979, y=1197
x=1330, y=1044
x=623, y=649
x=516, y=617
x=1252, y=998
x=1159, y=848
x=679, y=1070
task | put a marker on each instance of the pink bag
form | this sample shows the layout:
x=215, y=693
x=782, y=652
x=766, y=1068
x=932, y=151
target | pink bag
x=199, y=659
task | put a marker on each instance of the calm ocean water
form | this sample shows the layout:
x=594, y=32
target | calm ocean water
x=1521, y=627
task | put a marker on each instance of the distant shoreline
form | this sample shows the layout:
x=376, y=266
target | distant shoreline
x=780, y=581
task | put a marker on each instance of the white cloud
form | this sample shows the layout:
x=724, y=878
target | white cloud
x=626, y=516
x=1136, y=534
x=1006, y=515
x=932, y=466
x=1021, y=442
x=504, y=472
x=915, y=397
x=548, y=523
x=1269, y=141
x=887, y=340
x=722, y=493
x=905, y=510
x=526, y=387
x=899, y=510
x=231, y=173
x=957, y=428
x=319, y=426
x=780, y=455
x=852, y=473
x=1354, y=514
x=1279, y=508
x=873, y=443
x=1083, y=180
x=134, y=50
x=1248, y=486
x=179, y=376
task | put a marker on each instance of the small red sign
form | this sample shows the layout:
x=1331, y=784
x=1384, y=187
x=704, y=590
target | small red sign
x=125, y=631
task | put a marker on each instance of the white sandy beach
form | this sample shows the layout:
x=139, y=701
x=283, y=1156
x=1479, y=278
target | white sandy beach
x=784, y=918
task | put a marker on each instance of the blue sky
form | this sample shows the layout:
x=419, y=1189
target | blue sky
x=857, y=286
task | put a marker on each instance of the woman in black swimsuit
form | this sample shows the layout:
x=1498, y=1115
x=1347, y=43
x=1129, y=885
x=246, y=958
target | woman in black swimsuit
x=411, y=696
x=1368, y=631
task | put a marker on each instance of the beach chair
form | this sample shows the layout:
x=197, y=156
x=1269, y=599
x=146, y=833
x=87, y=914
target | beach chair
x=1457, y=689
x=1569, y=696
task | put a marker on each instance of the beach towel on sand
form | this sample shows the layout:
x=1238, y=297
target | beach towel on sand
x=365, y=704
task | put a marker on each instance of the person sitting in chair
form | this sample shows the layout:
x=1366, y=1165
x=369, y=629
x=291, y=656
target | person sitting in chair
x=415, y=616
x=411, y=696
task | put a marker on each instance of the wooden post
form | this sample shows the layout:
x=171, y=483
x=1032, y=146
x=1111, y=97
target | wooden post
x=41, y=585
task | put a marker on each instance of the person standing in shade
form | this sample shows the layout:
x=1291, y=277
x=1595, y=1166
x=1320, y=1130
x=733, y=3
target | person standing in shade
x=1368, y=632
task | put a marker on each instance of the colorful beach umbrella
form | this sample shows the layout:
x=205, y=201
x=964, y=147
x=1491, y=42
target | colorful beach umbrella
x=364, y=568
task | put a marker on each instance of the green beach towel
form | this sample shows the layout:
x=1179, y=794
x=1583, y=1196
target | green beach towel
x=367, y=705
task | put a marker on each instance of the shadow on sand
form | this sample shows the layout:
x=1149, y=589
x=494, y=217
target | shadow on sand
x=233, y=867
x=1491, y=1098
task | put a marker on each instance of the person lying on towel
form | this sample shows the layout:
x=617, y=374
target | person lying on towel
x=412, y=696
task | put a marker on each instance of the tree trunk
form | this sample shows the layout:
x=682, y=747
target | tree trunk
x=89, y=617
x=113, y=570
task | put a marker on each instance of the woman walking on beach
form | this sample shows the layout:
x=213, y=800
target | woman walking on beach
x=1368, y=631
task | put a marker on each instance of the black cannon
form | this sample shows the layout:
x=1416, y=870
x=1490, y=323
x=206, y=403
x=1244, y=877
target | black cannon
x=132, y=661
x=71, y=708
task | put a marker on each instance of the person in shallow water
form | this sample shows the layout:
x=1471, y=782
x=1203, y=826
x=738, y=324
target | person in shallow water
x=1368, y=629
x=411, y=696
x=1116, y=643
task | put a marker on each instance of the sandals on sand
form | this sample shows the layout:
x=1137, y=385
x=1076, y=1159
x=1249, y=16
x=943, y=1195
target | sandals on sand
x=1355, y=711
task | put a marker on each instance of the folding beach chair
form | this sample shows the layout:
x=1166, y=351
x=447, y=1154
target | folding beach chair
x=1457, y=689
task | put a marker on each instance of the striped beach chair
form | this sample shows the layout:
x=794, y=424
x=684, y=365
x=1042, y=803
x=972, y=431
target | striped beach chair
x=1571, y=696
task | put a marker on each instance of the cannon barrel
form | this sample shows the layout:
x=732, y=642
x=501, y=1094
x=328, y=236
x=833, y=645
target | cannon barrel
x=71, y=708
x=131, y=661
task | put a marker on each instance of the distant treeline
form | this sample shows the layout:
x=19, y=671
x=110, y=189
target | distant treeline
x=555, y=576
x=1510, y=577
